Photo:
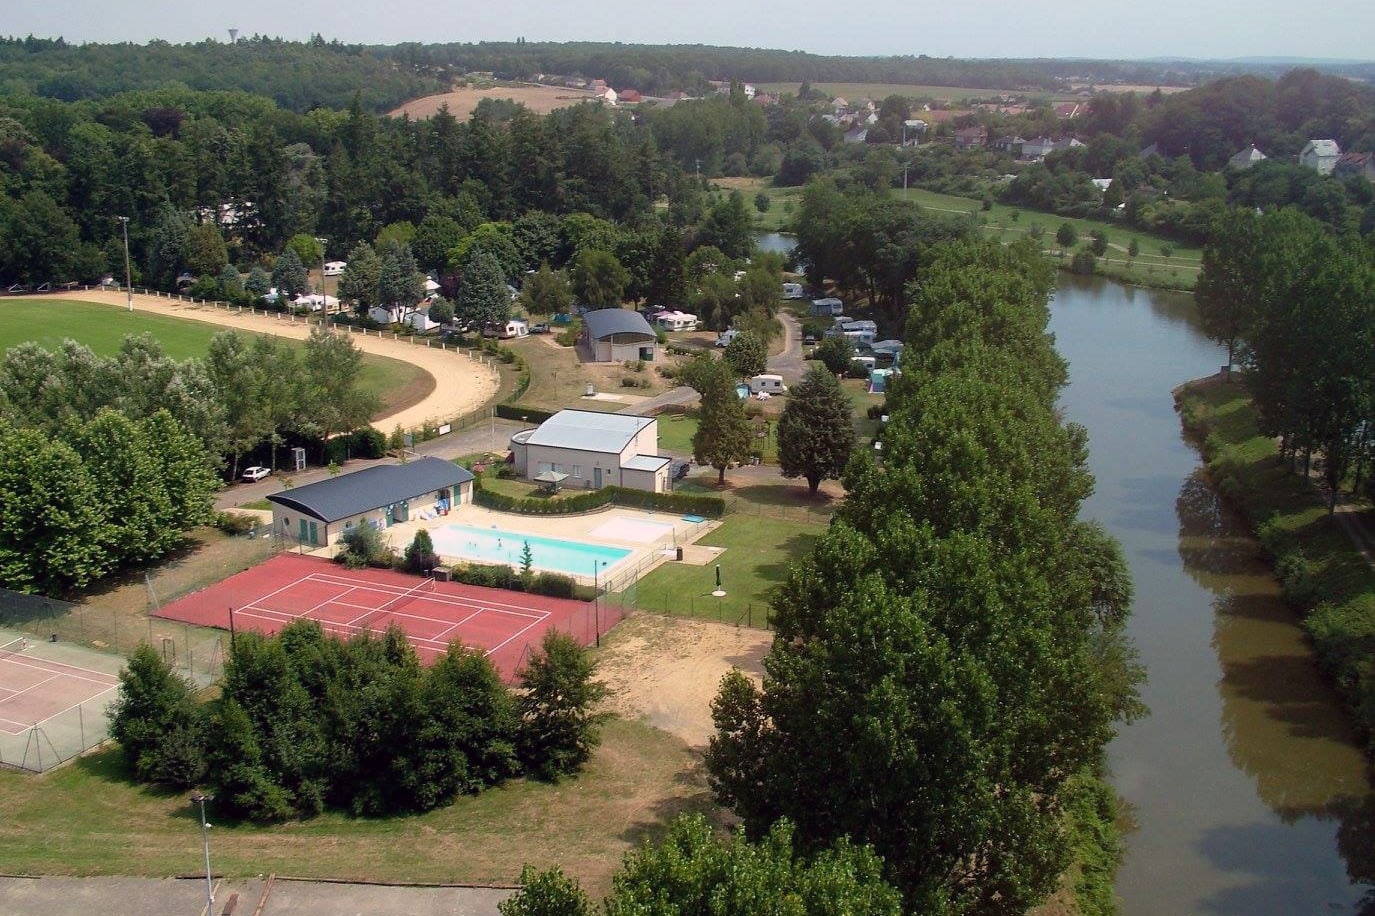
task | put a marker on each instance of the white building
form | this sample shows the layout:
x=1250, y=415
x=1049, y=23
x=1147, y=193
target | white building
x=1320, y=155
x=595, y=450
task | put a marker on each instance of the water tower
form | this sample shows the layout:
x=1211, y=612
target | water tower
x=233, y=36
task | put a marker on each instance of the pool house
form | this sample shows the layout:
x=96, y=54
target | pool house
x=318, y=514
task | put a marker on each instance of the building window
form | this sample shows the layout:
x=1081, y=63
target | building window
x=545, y=467
x=577, y=470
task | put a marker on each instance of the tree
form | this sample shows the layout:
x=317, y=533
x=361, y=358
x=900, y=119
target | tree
x=546, y=292
x=746, y=354
x=559, y=723
x=308, y=249
x=399, y=281
x=258, y=282
x=206, y=253
x=331, y=396
x=723, y=435
x=420, y=556
x=1099, y=245
x=728, y=227
x=667, y=274
x=598, y=279
x=546, y=893
x=835, y=353
x=1066, y=235
x=1133, y=248
x=361, y=278
x=482, y=298
x=815, y=432
x=441, y=310
x=362, y=546
x=1229, y=284
x=1084, y=262
x=157, y=722
x=289, y=276
x=230, y=281
x=762, y=202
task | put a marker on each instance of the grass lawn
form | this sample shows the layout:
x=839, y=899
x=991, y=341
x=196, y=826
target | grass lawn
x=756, y=559
x=1150, y=267
x=103, y=329
x=676, y=432
x=88, y=819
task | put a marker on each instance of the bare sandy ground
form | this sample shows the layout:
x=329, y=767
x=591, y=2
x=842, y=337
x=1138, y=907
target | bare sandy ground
x=666, y=670
x=462, y=384
x=462, y=102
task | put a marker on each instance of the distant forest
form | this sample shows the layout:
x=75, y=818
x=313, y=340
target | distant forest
x=300, y=76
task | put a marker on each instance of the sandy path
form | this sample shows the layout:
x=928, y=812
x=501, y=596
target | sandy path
x=666, y=670
x=462, y=384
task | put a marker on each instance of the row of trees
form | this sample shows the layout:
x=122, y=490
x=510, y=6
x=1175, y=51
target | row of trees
x=305, y=721
x=92, y=496
x=1297, y=304
x=951, y=655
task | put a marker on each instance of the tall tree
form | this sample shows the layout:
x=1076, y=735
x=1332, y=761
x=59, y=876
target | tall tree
x=157, y=722
x=559, y=721
x=482, y=298
x=289, y=276
x=598, y=279
x=1227, y=293
x=361, y=279
x=723, y=435
x=747, y=354
x=815, y=432
x=545, y=292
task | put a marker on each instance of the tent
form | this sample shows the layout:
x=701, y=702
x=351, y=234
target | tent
x=550, y=481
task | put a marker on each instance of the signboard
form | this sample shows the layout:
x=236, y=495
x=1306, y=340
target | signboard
x=445, y=429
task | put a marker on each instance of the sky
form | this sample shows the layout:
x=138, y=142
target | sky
x=963, y=28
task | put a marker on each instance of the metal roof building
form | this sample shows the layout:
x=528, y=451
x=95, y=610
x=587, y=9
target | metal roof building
x=381, y=495
x=616, y=335
x=595, y=450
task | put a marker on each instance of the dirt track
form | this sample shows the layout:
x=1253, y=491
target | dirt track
x=461, y=383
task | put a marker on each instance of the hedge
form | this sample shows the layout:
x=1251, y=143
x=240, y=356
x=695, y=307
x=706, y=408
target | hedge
x=490, y=575
x=683, y=503
x=527, y=414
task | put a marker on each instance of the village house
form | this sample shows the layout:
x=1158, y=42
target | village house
x=1246, y=158
x=1362, y=164
x=971, y=137
x=1320, y=155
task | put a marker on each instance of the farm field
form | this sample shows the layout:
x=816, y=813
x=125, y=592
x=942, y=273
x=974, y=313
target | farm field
x=463, y=102
x=48, y=323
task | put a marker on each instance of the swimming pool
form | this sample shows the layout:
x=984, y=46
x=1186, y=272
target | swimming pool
x=492, y=545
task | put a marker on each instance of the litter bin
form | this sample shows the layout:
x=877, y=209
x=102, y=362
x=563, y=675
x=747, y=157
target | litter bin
x=678, y=554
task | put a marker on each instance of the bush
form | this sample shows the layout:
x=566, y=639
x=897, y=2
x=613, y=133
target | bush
x=362, y=547
x=1083, y=262
x=683, y=503
x=876, y=411
x=235, y=523
x=420, y=556
x=558, y=723
x=368, y=442
x=554, y=585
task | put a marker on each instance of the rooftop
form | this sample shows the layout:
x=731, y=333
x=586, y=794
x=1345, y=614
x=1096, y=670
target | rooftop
x=645, y=462
x=371, y=488
x=589, y=430
x=602, y=323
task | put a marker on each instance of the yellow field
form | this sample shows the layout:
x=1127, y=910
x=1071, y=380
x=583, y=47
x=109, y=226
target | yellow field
x=462, y=102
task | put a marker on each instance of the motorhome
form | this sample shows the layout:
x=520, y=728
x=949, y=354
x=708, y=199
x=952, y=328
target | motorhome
x=771, y=384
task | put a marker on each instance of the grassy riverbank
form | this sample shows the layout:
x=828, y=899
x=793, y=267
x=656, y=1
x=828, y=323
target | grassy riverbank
x=1325, y=577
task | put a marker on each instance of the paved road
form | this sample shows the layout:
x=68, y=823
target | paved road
x=489, y=436
x=682, y=396
x=111, y=896
x=789, y=363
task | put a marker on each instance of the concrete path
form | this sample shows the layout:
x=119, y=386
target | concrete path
x=113, y=896
x=681, y=396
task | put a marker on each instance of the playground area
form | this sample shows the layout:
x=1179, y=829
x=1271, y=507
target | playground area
x=505, y=625
x=53, y=700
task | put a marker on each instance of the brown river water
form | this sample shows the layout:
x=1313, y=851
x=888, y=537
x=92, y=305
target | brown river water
x=1246, y=783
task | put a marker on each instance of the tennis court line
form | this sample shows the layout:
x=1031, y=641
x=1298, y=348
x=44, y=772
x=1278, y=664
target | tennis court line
x=61, y=712
x=109, y=680
x=386, y=587
x=458, y=601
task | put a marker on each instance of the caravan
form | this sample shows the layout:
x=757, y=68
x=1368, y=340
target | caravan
x=768, y=384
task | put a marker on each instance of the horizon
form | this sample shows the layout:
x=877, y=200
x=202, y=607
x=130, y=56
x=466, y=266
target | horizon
x=1273, y=31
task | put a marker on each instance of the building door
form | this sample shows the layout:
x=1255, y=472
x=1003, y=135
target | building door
x=304, y=533
x=597, y=478
x=403, y=511
x=314, y=535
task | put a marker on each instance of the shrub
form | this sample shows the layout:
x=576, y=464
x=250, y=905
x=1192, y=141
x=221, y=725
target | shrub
x=362, y=546
x=235, y=523
x=554, y=585
x=420, y=556
x=558, y=723
x=524, y=414
x=368, y=442
x=876, y=411
x=1083, y=262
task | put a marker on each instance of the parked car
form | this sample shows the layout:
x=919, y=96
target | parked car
x=679, y=469
x=254, y=473
x=541, y=328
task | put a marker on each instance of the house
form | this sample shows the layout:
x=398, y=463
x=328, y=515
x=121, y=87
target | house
x=828, y=306
x=1070, y=110
x=595, y=450
x=616, y=335
x=318, y=514
x=1320, y=155
x=857, y=135
x=912, y=129
x=419, y=321
x=1246, y=158
x=971, y=137
x=677, y=321
x=1362, y=164
x=1011, y=145
x=630, y=96
x=608, y=96
x=1040, y=147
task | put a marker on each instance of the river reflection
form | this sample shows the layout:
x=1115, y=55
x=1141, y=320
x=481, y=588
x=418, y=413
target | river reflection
x=1282, y=724
x=1250, y=794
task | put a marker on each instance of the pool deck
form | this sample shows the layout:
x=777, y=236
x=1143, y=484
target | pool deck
x=643, y=557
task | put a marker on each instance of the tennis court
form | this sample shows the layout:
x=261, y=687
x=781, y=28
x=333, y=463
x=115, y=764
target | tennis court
x=503, y=624
x=35, y=690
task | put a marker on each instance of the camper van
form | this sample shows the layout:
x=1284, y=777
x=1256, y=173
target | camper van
x=335, y=268
x=866, y=361
x=515, y=327
x=725, y=337
x=677, y=321
x=769, y=384
x=793, y=291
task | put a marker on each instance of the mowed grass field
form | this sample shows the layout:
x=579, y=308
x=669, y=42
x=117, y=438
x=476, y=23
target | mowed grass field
x=90, y=818
x=48, y=323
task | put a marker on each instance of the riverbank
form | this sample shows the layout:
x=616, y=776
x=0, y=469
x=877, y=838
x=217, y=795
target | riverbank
x=1325, y=577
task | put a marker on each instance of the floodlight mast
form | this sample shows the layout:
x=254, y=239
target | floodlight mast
x=201, y=798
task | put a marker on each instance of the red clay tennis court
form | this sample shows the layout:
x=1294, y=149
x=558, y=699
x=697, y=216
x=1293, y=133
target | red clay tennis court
x=34, y=690
x=346, y=602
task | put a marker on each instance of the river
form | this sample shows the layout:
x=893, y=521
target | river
x=1246, y=783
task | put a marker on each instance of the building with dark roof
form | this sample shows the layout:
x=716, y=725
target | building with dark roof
x=594, y=450
x=617, y=335
x=319, y=513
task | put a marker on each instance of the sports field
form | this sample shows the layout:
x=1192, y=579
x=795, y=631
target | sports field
x=48, y=322
x=503, y=624
x=463, y=101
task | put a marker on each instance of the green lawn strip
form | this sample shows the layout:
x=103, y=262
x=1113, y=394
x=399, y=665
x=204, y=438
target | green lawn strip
x=1324, y=576
x=758, y=553
x=49, y=322
x=89, y=818
x=260, y=504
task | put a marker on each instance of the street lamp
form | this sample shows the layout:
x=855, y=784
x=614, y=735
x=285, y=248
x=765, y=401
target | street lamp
x=128, y=282
x=323, y=307
x=201, y=798
x=597, y=601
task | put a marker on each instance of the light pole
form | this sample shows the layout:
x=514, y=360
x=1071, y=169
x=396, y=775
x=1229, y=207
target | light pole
x=324, y=302
x=128, y=282
x=201, y=798
x=597, y=601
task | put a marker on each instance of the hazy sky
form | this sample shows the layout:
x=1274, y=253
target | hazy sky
x=963, y=28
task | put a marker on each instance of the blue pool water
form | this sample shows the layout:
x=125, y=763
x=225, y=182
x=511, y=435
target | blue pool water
x=492, y=545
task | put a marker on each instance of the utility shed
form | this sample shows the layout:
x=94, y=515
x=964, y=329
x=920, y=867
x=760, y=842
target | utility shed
x=618, y=335
x=317, y=514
